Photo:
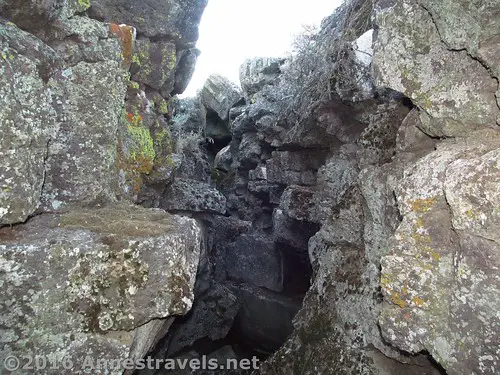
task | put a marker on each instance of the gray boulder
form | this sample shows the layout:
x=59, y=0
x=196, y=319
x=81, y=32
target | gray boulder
x=185, y=68
x=439, y=277
x=211, y=317
x=28, y=122
x=220, y=95
x=193, y=196
x=224, y=159
x=85, y=283
x=455, y=92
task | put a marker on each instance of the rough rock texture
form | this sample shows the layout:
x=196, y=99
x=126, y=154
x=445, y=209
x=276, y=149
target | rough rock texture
x=441, y=280
x=258, y=72
x=456, y=93
x=77, y=134
x=175, y=20
x=93, y=280
x=401, y=212
x=219, y=95
x=24, y=134
x=195, y=196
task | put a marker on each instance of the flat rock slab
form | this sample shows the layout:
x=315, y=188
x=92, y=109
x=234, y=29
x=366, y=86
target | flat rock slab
x=83, y=283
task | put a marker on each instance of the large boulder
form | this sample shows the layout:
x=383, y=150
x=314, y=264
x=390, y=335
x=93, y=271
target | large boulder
x=85, y=283
x=456, y=93
x=220, y=95
x=211, y=318
x=440, y=277
x=186, y=64
x=81, y=162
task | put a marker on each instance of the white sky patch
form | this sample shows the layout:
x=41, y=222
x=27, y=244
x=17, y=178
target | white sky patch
x=233, y=30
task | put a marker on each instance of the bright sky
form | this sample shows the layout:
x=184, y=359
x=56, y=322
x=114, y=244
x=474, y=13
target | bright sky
x=233, y=30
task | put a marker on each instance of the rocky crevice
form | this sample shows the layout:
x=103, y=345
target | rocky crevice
x=338, y=212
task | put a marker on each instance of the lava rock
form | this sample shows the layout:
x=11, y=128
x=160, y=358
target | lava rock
x=220, y=95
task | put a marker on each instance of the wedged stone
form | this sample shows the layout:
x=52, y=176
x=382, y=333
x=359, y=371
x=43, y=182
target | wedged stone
x=84, y=283
x=184, y=70
x=224, y=159
x=255, y=260
x=193, y=196
x=454, y=91
x=440, y=277
x=257, y=72
x=220, y=95
x=292, y=232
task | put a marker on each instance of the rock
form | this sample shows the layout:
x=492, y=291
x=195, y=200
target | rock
x=473, y=29
x=454, y=91
x=294, y=167
x=335, y=180
x=259, y=173
x=249, y=151
x=30, y=16
x=193, y=196
x=224, y=159
x=93, y=280
x=297, y=202
x=154, y=64
x=81, y=161
x=185, y=69
x=28, y=123
x=257, y=72
x=189, y=117
x=220, y=95
x=361, y=87
x=154, y=18
x=439, y=278
x=265, y=319
x=292, y=232
x=255, y=260
x=211, y=317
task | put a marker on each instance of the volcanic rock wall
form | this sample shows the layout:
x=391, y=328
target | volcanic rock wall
x=339, y=212
x=84, y=89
